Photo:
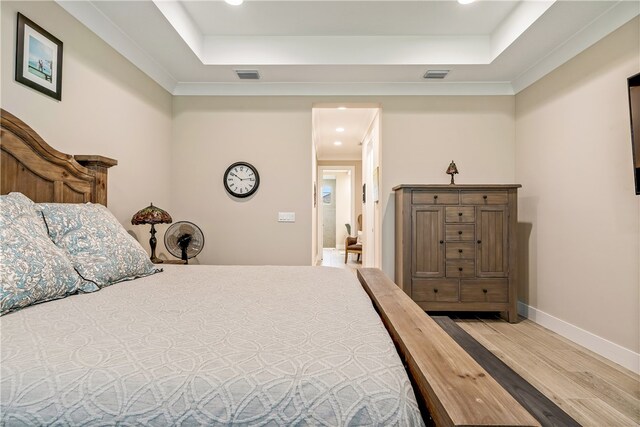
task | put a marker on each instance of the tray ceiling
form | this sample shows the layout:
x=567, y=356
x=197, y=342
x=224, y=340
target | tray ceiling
x=349, y=47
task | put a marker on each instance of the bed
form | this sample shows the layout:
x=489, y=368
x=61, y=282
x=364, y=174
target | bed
x=225, y=345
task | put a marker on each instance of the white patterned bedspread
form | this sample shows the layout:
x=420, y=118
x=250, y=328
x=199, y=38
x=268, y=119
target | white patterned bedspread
x=206, y=345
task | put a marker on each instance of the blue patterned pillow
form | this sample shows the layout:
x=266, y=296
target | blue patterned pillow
x=32, y=268
x=99, y=247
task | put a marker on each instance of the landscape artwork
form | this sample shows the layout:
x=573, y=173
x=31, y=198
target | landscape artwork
x=38, y=58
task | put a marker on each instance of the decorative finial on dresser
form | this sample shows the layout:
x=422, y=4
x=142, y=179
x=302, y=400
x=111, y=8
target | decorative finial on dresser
x=452, y=170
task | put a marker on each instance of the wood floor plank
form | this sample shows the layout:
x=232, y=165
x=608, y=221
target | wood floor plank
x=537, y=371
x=622, y=402
x=577, y=361
x=591, y=389
x=596, y=413
x=543, y=409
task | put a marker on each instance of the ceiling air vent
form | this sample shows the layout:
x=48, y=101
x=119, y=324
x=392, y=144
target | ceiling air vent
x=436, y=74
x=248, y=74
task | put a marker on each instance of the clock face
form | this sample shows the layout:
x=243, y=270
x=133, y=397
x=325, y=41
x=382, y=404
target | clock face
x=241, y=179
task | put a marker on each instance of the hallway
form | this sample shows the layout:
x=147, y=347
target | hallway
x=335, y=258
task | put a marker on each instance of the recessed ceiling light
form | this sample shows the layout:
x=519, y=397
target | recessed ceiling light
x=339, y=129
x=337, y=143
x=342, y=108
x=234, y=2
x=466, y=1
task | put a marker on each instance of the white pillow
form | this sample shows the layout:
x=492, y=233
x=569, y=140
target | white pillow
x=99, y=247
x=32, y=268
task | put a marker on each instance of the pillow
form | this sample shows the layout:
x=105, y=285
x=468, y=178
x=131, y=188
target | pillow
x=359, y=238
x=99, y=247
x=32, y=268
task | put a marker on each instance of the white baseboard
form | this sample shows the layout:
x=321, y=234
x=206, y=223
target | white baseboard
x=605, y=348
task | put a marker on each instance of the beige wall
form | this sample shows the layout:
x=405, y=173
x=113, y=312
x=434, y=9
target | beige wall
x=273, y=134
x=581, y=218
x=421, y=135
x=108, y=107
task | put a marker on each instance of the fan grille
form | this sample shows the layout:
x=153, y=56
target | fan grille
x=184, y=234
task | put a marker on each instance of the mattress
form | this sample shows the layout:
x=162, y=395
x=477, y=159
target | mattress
x=206, y=345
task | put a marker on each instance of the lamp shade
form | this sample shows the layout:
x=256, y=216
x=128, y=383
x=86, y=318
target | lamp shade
x=151, y=215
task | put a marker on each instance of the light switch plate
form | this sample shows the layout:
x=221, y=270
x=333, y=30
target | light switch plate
x=286, y=217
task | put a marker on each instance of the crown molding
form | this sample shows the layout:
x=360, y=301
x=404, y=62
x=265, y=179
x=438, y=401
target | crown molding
x=92, y=18
x=342, y=89
x=612, y=19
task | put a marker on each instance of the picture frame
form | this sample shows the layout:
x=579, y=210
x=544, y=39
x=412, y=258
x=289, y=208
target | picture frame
x=38, y=58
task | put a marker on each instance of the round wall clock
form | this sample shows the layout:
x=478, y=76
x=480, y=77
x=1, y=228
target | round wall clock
x=241, y=179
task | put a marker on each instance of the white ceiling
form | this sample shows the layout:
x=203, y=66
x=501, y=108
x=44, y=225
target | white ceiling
x=355, y=122
x=349, y=47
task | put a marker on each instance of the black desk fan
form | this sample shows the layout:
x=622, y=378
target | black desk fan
x=184, y=240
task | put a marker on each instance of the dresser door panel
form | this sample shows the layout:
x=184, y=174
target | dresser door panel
x=427, y=241
x=492, y=233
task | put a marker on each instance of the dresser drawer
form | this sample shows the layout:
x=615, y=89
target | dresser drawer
x=460, y=268
x=484, y=197
x=460, y=232
x=460, y=214
x=430, y=290
x=435, y=198
x=484, y=290
x=460, y=251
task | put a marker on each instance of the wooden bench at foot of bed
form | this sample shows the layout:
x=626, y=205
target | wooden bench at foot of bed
x=456, y=390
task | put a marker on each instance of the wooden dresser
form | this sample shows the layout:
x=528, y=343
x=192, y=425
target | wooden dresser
x=456, y=246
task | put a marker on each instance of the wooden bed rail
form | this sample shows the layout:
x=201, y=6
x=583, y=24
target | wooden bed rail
x=456, y=390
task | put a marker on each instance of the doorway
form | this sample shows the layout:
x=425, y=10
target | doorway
x=339, y=134
x=336, y=208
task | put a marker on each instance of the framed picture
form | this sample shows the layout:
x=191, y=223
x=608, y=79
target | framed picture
x=38, y=58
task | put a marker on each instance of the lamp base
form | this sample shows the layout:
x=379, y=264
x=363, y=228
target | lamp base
x=152, y=244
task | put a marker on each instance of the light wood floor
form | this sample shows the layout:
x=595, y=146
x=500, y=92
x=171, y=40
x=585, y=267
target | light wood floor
x=590, y=388
x=335, y=258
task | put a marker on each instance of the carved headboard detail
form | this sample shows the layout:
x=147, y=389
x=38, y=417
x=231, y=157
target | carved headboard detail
x=31, y=166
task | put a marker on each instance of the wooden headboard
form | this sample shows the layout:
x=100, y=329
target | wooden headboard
x=32, y=167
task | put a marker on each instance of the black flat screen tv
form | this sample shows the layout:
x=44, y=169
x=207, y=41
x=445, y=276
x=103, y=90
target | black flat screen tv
x=634, y=109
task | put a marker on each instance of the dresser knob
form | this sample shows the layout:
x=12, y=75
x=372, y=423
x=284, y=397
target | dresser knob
x=459, y=250
x=479, y=241
x=441, y=241
x=459, y=213
x=484, y=197
x=459, y=268
x=484, y=290
x=435, y=196
x=435, y=290
x=460, y=232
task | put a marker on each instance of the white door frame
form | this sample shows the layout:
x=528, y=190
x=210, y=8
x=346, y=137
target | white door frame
x=372, y=219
